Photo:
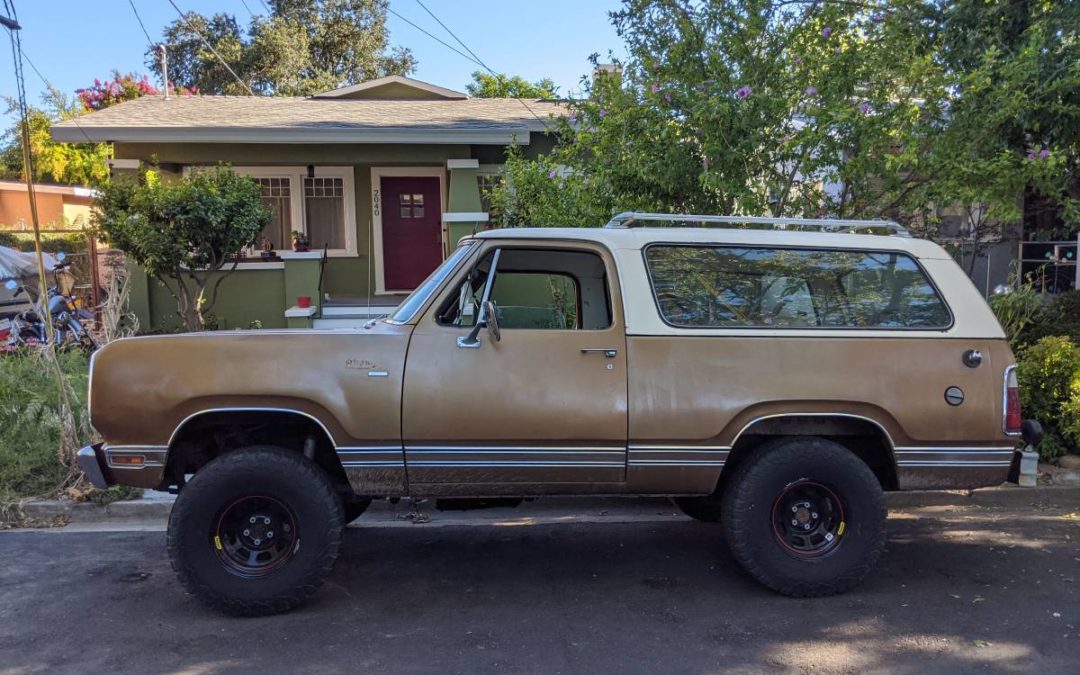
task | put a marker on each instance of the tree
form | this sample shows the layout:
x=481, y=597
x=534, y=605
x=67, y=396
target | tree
x=789, y=107
x=184, y=232
x=505, y=86
x=69, y=163
x=303, y=47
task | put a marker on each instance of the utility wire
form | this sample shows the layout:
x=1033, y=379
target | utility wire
x=50, y=87
x=149, y=40
x=476, y=59
x=444, y=44
x=213, y=51
x=248, y=9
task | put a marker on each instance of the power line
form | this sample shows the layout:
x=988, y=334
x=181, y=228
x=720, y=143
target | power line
x=49, y=85
x=444, y=44
x=213, y=51
x=465, y=46
x=248, y=9
x=149, y=40
x=477, y=59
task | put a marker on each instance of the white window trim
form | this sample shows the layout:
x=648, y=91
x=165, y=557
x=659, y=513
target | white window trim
x=296, y=176
x=377, y=174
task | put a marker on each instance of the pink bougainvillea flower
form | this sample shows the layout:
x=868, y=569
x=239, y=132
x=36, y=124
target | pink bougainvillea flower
x=743, y=92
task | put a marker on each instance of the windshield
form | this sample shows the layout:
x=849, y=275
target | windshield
x=412, y=304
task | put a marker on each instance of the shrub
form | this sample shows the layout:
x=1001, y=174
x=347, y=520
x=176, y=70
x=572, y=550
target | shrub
x=31, y=462
x=1049, y=372
x=1060, y=317
x=1017, y=309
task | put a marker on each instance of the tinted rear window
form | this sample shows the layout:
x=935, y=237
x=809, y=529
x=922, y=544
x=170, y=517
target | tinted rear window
x=750, y=287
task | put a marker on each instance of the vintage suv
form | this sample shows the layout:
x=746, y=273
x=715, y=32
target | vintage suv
x=776, y=376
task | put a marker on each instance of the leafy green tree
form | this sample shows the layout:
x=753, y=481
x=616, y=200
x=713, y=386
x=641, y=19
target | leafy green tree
x=303, y=47
x=790, y=107
x=184, y=232
x=67, y=163
x=484, y=85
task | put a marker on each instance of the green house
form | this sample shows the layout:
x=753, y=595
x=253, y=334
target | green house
x=384, y=176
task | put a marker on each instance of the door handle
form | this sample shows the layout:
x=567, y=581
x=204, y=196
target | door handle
x=609, y=353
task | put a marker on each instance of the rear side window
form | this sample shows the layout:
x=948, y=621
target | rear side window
x=749, y=287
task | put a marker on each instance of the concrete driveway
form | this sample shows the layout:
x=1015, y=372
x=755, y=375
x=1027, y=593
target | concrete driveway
x=961, y=589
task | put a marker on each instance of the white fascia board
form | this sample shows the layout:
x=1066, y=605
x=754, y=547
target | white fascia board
x=291, y=135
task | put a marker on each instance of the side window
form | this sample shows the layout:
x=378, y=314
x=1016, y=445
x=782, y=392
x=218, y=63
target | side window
x=741, y=287
x=535, y=289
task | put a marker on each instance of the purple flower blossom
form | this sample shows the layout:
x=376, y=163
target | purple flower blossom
x=1030, y=154
x=787, y=138
x=1044, y=153
x=743, y=92
x=667, y=98
x=864, y=107
x=552, y=174
x=655, y=88
x=705, y=162
x=877, y=18
x=811, y=90
x=826, y=31
x=798, y=60
x=655, y=67
x=603, y=113
x=573, y=118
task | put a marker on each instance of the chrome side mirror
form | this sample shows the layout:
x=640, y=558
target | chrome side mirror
x=492, y=321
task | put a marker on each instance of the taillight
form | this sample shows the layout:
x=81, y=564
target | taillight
x=1012, y=401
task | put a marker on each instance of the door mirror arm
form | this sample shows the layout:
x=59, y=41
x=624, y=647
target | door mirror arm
x=487, y=317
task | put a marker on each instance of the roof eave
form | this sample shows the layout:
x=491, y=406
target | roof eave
x=292, y=135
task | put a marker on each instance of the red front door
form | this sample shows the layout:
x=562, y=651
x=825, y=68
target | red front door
x=411, y=230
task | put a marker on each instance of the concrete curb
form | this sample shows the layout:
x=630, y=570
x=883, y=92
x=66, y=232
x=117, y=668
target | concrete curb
x=614, y=509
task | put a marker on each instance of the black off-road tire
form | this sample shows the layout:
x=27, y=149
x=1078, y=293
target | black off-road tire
x=707, y=508
x=354, y=507
x=751, y=498
x=263, y=471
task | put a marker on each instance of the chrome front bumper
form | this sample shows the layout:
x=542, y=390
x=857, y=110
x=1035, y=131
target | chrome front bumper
x=91, y=466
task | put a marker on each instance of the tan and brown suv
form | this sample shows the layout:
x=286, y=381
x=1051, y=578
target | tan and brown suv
x=775, y=380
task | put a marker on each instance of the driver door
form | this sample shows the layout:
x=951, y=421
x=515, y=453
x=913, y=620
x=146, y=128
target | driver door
x=546, y=404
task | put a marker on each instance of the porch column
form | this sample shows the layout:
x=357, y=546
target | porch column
x=464, y=214
x=302, y=278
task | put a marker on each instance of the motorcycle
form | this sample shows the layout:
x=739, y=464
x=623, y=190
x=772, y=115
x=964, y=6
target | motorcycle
x=29, y=326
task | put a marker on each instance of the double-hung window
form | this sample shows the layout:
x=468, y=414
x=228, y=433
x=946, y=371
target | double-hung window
x=322, y=206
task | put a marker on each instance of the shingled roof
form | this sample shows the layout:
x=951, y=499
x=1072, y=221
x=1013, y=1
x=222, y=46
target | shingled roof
x=319, y=119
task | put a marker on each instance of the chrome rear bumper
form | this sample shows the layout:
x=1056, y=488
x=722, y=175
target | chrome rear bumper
x=91, y=466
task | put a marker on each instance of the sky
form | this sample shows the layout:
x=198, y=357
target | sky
x=73, y=41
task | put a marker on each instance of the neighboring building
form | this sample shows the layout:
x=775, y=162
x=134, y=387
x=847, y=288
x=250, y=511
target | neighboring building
x=385, y=174
x=60, y=207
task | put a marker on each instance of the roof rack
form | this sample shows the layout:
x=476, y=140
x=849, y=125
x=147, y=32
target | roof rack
x=633, y=219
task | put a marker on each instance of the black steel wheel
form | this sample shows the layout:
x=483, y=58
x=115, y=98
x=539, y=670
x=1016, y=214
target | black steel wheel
x=255, y=531
x=805, y=516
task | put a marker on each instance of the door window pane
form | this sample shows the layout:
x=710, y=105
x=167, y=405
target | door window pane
x=735, y=287
x=324, y=212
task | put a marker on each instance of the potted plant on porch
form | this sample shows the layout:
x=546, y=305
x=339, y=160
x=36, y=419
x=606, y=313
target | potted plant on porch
x=300, y=241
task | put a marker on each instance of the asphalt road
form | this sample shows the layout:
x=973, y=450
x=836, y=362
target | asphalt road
x=961, y=589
